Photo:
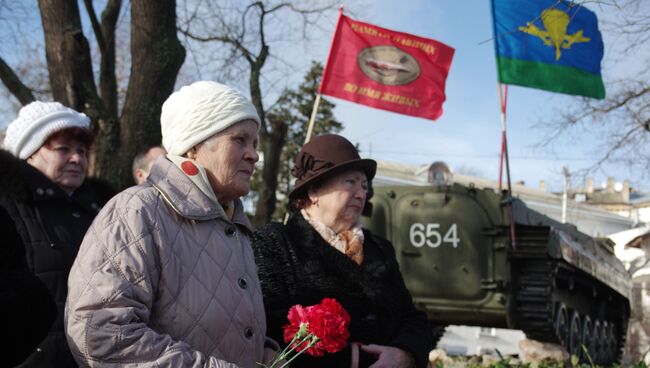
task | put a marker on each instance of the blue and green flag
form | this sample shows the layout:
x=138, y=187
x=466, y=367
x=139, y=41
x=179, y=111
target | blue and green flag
x=552, y=45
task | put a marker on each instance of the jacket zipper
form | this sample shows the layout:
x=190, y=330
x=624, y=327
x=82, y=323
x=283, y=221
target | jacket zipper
x=166, y=199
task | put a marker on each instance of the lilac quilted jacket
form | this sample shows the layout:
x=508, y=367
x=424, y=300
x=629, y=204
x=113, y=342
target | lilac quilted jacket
x=163, y=279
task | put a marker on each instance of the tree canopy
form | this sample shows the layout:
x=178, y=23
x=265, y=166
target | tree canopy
x=121, y=78
x=156, y=56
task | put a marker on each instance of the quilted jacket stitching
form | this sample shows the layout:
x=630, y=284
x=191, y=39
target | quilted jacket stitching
x=140, y=241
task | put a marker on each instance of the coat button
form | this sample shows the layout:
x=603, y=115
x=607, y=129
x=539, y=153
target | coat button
x=49, y=192
x=76, y=214
x=40, y=191
x=242, y=283
x=230, y=230
x=248, y=332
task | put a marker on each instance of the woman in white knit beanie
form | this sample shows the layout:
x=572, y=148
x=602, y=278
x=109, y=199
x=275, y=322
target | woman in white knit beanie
x=166, y=275
x=54, y=139
x=43, y=187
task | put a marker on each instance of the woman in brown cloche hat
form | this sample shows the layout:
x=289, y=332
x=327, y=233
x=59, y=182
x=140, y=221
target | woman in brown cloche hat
x=322, y=251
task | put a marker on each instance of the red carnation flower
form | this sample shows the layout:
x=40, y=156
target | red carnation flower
x=329, y=321
x=298, y=318
x=318, y=328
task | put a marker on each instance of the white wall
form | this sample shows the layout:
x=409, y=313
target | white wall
x=468, y=340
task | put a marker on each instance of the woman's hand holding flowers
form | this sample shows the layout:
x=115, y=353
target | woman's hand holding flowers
x=316, y=329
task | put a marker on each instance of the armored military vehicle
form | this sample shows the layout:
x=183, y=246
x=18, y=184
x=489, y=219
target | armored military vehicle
x=465, y=264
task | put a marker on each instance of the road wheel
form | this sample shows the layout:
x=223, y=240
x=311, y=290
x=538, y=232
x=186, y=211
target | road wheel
x=575, y=335
x=598, y=354
x=587, y=336
x=562, y=325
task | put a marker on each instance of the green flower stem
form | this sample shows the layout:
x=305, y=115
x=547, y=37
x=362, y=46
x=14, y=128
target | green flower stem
x=283, y=354
x=289, y=349
x=313, y=339
x=302, y=333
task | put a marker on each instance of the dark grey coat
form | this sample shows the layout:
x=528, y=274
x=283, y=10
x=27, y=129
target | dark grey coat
x=51, y=225
x=297, y=266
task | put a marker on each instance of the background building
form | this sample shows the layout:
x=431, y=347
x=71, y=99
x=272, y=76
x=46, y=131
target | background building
x=598, y=220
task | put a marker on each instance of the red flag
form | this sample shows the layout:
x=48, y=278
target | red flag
x=386, y=69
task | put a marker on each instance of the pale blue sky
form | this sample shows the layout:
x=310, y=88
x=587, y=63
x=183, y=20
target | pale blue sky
x=468, y=135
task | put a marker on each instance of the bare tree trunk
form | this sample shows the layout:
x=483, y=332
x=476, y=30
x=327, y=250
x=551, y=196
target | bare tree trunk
x=107, y=78
x=68, y=54
x=71, y=76
x=156, y=57
x=272, y=138
x=273, y=144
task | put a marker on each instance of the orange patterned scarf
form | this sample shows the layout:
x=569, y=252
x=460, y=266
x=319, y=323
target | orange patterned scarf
x=348, y=242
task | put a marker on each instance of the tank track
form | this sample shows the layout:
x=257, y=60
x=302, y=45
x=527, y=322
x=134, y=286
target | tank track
x=549, y=291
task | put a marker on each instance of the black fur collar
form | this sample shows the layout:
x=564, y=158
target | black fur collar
x=12, y=176
x=321, y=257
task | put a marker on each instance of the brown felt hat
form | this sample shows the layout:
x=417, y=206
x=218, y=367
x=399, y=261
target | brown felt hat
x=324, y=156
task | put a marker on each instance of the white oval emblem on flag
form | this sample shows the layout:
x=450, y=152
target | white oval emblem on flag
x=388, y=65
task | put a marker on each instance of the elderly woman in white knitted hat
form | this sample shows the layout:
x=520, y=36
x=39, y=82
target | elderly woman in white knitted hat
x=44, y=189
x=166, y=275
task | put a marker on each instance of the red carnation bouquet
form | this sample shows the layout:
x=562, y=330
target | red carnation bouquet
x=316, y=329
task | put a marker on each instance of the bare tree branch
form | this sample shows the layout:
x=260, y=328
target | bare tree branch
x=107, y=76
x=95, y=24
x=13, y=83
x=248, y=32
x=619, y=123
x=225, y=39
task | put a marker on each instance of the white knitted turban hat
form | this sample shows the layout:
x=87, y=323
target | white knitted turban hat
x=36, y=122
x=199, y=111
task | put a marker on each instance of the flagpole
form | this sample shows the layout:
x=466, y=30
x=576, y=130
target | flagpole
x=503, y=97
x=310, y=129
x=312, y=119
x=314, y=111
x=503, y=150
x=503, y=103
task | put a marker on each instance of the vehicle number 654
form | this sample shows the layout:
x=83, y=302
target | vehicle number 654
x=431, y=235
